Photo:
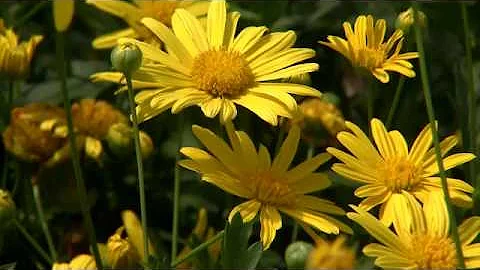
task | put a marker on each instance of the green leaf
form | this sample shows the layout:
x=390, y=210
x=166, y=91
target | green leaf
x=235, y=251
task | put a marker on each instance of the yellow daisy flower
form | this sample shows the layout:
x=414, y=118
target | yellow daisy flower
x=269, y=186
x=215, y=70
x=392, y=170
x=426, y=243
x=15, y=57
x=331, y=255
x=132, y=13
x=365, y=47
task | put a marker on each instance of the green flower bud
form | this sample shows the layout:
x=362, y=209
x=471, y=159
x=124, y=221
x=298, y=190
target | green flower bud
x=406, y=19
x=126, y=58
x=119, y=139
x=296, y=254
x=7, y=207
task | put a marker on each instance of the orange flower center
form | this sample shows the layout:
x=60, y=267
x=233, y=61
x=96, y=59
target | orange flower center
x=399, y=174
x=371, y=58
x=433, y=252
x=272, y=191
x=222, y=73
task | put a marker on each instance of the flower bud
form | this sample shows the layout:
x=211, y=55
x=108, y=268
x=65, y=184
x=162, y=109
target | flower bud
x=7, y=207
x=146, y=144
x=126, y=58
x=120, y=252
x=407, y=18
x=296, y=254
x=119, y=139
x=63, y=13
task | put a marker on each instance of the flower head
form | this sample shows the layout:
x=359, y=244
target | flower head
x=423, y=243
x=83, y=261
x=269, y=186
x=15, y=57
x=24, y=137
x=365, y=48
x=120, y=252
x=92, y=120
x=392, y=171
x=212, y=68
x=132, y=13
x=319, y=120
x=331, y=255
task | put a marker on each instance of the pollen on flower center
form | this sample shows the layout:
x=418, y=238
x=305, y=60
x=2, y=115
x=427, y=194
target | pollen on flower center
x=372, y=57
x=222, y=73
x=270, y=190
x=433, y=252
x=399, y=174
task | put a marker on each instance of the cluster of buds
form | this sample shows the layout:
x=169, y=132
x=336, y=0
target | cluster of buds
x=38, y=132
x=320, y=120
x=15, y=57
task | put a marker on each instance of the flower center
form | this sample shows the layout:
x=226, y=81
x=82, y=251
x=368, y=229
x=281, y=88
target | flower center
x=399, y=174
x=433, y=252
x=159, y=10
x=222, y=73
x=270, y=190
x=372, y=57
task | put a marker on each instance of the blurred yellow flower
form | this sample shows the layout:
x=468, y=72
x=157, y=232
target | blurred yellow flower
x=63, y=13
x=365, y=48
x=135, y=234
x=15, y=57
x=121, y=254
x=425, y=243
x=269, y=186
x=211, y=68
x=132, y=13
x=392, y=171
x=331, y=255
x=24, y=137
x=92, y=120
x=317, y=115
x=83, y=261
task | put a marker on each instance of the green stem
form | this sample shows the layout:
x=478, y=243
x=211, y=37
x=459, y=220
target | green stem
x=310, y=152
x=31, y=13
x=77, y=170
x=198, y=249
x=138, y=154
x=176, y=194
x=43, y=222
x=436, y=142
x=33, y=242
x=370, y=99
x=396, y=100
x=471, y=92
x=11, y=89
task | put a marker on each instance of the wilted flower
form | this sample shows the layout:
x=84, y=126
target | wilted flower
x=407, y=18
x=331, y=255
x=15, y=58
x=24, y=137
x=320, y=120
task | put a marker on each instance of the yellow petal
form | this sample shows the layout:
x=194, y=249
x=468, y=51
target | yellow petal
x=420, y=145
x=289, y=72
x=63, y=13
x=248, y=211
x=190, y=32
x=110, y=40
x=287, y=151
x=305, y=168
x=311, y=183
x=382, y=139
x=248, y=38
x=216, y=19
x=270, y=221
x=135, y=232
x=469, y=229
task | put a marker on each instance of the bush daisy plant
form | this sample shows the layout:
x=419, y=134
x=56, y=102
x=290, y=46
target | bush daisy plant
x=238, y=135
